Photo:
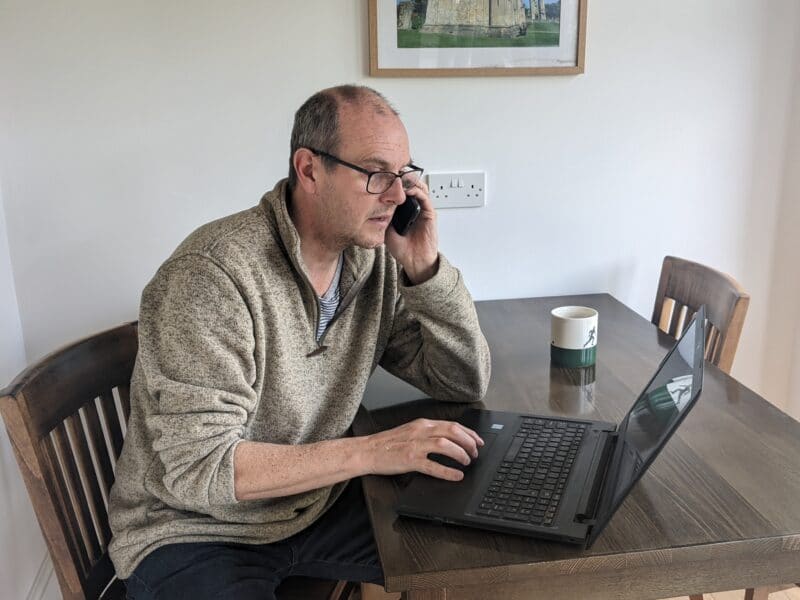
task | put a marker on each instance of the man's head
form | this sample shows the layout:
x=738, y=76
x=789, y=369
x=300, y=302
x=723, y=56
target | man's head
x=356, y=125
x=316, y=122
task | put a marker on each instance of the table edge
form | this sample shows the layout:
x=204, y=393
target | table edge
x=765, y=549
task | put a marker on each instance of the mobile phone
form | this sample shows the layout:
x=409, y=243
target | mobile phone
x=405, y=215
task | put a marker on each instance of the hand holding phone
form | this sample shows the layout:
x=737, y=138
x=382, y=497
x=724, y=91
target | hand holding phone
x=416, y=252
x=405, y=215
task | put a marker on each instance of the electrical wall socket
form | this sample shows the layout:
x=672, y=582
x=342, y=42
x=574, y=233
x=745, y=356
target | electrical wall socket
x=457, y=190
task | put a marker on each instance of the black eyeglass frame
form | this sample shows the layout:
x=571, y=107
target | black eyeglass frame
x=411, y=168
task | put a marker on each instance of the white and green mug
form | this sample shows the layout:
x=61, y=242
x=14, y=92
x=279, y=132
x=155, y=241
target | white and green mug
x=573, y=336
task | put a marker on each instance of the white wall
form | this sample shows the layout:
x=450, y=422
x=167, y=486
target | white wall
x=129, y=124
x=782, y=352
x=21, y=544
x=12, y=348
x=136, y=122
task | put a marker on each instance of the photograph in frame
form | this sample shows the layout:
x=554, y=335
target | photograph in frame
x=476, y=37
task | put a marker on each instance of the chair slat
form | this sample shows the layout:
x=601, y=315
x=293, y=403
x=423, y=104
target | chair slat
x=709, y=329
x=123, y=410
x=106, y=433
x=110, y=418
x=88, y=475
x=665, y=319
x=65, y=505
x=719, y=342
x=125, y=400
x=100, y=448
x=77, y=496
x=679, y=322
x=711, y=340
x=709, y=349
x=690, y=313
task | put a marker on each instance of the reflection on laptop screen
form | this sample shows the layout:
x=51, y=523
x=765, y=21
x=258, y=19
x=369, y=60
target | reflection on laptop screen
x=653, y=416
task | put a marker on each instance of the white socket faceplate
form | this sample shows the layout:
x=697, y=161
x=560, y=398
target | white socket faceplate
x=457, y=190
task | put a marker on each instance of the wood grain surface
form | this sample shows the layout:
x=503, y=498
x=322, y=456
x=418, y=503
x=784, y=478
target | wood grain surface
x=718, y=510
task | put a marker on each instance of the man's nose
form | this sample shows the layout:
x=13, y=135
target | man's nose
x=395, y=194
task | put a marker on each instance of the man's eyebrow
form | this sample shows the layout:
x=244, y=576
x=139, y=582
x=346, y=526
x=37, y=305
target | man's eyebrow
x=383, y=165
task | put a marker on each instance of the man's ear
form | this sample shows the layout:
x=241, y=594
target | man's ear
x=303, y=162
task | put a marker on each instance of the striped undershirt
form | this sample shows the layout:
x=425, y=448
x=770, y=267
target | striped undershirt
x=329, y=301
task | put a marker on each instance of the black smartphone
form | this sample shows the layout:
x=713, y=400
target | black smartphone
x=405, y=215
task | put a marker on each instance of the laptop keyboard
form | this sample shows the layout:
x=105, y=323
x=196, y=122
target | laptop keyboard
x=530, y=481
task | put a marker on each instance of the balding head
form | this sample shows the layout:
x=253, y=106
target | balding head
x=316, y=122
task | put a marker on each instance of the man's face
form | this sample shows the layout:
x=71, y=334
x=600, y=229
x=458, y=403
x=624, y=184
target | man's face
x=349, y=214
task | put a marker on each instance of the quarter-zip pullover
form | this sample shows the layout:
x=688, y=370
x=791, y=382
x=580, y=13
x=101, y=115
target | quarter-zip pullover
x=228, y=352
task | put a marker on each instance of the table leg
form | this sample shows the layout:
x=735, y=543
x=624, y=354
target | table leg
x=440, y=594
x=761, y=593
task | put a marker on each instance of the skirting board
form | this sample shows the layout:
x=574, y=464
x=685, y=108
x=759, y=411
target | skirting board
x=42, y=579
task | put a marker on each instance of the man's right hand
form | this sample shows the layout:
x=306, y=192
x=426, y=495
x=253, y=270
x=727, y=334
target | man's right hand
x=406, y=448
x=265, y=470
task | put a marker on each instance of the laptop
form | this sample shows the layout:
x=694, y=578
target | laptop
x=560, y=478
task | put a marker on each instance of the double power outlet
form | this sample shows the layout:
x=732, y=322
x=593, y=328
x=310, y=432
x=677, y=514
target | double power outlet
x=457, y=190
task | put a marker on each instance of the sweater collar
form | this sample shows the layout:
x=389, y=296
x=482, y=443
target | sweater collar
x=358, y=262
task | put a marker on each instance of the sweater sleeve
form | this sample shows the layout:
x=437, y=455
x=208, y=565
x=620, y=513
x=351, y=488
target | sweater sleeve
x=196, y=347
x=436, y=342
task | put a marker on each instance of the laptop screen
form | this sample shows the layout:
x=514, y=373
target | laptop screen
x=656, y=414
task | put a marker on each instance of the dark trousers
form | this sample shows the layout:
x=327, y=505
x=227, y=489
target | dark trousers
x=338, y=546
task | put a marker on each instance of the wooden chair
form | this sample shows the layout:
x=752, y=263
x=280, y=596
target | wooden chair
x=66, y=417
x=683, y=287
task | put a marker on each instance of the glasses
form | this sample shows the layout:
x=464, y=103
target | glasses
x=379, y=182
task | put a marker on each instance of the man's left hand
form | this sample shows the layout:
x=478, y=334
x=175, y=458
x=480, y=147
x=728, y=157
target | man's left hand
x=418, y=250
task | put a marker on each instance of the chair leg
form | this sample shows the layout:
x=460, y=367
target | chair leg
x=761, y=593
x=342, y=591
x=370, y=591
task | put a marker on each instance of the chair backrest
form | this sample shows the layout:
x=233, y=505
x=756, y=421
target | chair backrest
x=66, y=417
x=685, y=285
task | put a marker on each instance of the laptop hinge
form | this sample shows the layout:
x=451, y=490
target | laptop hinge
x=587, y=505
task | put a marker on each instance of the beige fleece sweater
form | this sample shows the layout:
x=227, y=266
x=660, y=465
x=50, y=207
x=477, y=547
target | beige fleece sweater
x=228, y=352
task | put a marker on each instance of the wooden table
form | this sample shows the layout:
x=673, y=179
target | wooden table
x=718, y=510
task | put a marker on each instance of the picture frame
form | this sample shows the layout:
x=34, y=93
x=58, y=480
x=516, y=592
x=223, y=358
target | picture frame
x=446, y=38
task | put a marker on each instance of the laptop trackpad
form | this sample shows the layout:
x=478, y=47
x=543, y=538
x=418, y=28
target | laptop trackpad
x=488, y=439
x=423, y=495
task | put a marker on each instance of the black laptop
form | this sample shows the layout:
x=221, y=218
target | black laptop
x=561, y=478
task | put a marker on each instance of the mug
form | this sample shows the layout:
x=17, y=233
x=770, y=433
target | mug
x=573, y=341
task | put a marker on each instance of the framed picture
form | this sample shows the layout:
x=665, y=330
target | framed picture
x=413, y=38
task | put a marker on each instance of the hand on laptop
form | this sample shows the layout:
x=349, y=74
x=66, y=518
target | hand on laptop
x=406, y=448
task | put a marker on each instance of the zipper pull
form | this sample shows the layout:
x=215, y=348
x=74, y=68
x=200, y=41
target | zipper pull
x=317, y=351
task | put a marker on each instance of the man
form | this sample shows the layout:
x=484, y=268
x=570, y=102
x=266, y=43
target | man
x=256, y=340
